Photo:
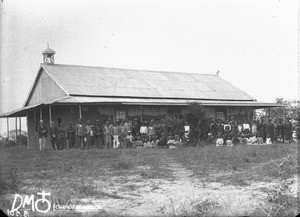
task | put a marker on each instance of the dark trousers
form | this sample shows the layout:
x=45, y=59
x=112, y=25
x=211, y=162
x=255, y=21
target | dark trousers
x=53, y=141
x=79, y=142
x=99, y=141
x=92, y=141
x=61, y=143
x=71, y=142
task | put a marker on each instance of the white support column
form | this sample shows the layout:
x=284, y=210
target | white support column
x=20, y=125
x=166, y=112
x=50, y=114
x=7, y=129
x=141, y=114
x=227, y=113
x=27, y=118
x=34, y=127
x=80, y=115
x=41, y=113
x=109, y=113
x=16, y=128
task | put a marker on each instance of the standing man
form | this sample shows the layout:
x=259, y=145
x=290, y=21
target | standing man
x=80, y=131
x=61, y=137
x=88, y=130
x=127, y=125
x=71, y=136
x=151, y=131
x=116, y=131
x=123, y=134
x=53, y=132
x=136, y=128
x=99, y=134
x=270, y=129
x=288, y=130
x=42, y=131
x=107, y=134
x=214, y=126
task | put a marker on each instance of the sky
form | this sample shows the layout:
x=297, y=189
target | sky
x=253, y=43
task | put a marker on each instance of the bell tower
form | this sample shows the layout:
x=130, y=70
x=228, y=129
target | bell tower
x=48, y=55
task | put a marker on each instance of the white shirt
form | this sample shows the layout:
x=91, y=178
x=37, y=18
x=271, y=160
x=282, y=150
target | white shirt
x=268, y=141
x=187, y=128
x=219, y=142
x=246, y=126
x=143, y=129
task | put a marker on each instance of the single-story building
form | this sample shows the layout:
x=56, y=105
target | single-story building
x=64, y=93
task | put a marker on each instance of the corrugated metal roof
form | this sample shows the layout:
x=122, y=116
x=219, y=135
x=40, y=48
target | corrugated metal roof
x=99, y=81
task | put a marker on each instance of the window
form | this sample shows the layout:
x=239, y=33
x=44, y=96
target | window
x=221, y=115
x=120, y=114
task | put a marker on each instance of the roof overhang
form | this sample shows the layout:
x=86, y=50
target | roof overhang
x=77, y=100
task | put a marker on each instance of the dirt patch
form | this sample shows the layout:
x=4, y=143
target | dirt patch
x=140, y=196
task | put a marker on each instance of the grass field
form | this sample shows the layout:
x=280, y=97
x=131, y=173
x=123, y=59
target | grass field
x=192, y=181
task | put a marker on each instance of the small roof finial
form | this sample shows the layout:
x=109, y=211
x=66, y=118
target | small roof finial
x=47, y=44
x=218, y=72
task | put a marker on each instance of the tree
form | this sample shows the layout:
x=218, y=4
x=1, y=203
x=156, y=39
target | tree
x=198, y=120
x=290, y=108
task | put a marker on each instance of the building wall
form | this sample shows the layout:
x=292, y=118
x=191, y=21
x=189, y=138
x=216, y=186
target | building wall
x=45, y=89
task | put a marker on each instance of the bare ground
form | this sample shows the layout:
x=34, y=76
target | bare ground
x=184, y=194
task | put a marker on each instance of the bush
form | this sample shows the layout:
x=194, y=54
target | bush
x=198, y=120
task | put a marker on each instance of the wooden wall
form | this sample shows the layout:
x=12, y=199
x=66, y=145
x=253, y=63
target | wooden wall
x=45, y=89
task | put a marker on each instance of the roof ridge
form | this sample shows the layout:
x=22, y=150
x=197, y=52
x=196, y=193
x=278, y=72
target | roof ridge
x=144, y=70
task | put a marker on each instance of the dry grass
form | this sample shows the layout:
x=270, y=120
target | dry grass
x=237, y=164
x=70, y=175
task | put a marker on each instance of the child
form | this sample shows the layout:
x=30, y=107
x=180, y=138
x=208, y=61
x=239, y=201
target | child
x=116, y=132
x=128, y=140
x=260, y=140
x=244, y=140
x=147, y=144
x=294, y=136
x=279, y=139
x=162, y=143
x=253, y=139
x=139, y=143
x=229, y=141
x=268, y=140
x=171, y=142
x=186, y=131
x=177, y=141
x=153, y=143
x=220, y=140
x=236, y=139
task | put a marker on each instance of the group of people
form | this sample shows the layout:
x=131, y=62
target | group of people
x=162, y=133
x=119, y=134
x=261, y=131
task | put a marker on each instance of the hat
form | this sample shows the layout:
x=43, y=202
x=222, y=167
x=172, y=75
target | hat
x=41, y=121
x=129, y=131
x=97, y=120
